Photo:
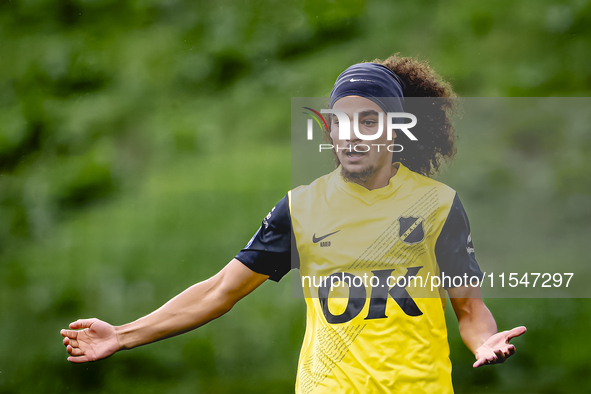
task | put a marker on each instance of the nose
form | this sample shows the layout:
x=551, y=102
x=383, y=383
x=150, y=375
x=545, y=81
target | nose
x=352, y=136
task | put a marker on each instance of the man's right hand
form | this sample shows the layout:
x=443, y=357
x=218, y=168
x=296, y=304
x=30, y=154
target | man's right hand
x=90, y=340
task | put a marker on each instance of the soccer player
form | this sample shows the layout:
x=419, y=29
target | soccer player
x=377, y=215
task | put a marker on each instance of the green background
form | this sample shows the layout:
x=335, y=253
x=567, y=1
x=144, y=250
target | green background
x=141, y=143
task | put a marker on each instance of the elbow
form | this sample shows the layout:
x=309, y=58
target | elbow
x=222, y=302
x=226, y=288
x=225, y=305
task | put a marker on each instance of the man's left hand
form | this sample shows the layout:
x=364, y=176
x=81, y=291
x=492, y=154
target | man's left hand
x=497, y=348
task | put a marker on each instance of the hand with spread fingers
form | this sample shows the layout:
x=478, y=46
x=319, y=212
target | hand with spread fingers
x=90, y=340
x=497, y=348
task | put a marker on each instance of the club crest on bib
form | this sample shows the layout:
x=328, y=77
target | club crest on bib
x=411, y=229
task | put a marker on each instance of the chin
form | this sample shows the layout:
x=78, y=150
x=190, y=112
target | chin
x=355, y=168
x=356, y=173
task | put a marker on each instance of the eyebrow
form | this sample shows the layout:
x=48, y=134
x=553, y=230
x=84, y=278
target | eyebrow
x=362, y=114
x=368, y=113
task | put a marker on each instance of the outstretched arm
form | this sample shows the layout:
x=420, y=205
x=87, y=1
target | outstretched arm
x=479, y=329
x=192, y=308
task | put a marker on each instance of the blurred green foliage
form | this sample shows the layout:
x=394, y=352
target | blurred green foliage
x=142, y=142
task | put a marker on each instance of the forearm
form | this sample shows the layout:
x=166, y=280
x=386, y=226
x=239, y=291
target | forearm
x=192, y=308
x=476, y=324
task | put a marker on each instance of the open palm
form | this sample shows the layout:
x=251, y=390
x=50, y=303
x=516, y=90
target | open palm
x=497, y=348
x=90, y=340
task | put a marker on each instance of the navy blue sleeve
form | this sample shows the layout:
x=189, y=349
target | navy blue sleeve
x=269, y=252
x=454, y=249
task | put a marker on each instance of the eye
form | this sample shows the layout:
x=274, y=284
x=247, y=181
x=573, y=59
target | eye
x=368, y=122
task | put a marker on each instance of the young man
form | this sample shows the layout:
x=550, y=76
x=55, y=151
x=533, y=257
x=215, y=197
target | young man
x=376, y=215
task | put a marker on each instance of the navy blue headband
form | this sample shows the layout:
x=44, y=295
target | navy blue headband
x=373, y=81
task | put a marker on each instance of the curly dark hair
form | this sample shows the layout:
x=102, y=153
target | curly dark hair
x=434, y=130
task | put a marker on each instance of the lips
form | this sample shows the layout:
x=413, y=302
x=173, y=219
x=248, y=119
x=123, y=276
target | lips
x=354, y=156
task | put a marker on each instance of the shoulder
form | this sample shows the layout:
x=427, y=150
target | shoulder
x=317, y=187
x=414, y=180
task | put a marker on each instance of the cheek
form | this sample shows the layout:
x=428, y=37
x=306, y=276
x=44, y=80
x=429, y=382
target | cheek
x=384, y=140
x=334, y=135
